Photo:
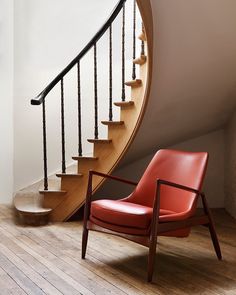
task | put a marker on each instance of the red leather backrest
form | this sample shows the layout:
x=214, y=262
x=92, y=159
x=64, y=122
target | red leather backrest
x=185, y=168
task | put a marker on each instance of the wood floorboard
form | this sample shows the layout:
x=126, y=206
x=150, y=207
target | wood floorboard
x=8, y=285
x=46, y=260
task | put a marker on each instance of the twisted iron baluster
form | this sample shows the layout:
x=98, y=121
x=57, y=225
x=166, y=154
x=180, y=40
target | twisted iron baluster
x=45, y=148
x=110, y=75
x=79, y=112
x=123, y=54
x=134, y=41
x=63, y=128
x=95, y=93
x=142, y=43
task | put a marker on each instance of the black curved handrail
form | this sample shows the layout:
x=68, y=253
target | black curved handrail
x=41, y=97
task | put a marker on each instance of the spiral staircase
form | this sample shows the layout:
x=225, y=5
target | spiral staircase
x=60, y=200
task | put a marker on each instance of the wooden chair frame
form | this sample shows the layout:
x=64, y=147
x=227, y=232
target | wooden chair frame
x=157, y=227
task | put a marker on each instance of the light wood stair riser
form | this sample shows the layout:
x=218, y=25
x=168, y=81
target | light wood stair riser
x=84, y=164
x=53, y=200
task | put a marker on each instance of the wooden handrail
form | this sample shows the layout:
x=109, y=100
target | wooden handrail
x=41, y=97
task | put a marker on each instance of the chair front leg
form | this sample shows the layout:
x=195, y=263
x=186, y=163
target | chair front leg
x=86, y=216
x=211, y=227
x=84, y=242
x=154, y=230
x=151, y=256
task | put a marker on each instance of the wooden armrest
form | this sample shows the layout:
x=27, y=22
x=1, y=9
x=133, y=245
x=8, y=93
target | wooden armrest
x=179, y=186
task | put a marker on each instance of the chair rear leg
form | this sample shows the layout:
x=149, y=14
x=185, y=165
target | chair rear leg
x=211, y=227
x=214, y=239
x=84, y=242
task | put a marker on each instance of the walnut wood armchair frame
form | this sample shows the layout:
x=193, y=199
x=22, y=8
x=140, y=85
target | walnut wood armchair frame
x=157, y=227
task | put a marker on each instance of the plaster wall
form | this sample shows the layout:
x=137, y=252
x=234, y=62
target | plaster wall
x=194, y=73
x=6, y=100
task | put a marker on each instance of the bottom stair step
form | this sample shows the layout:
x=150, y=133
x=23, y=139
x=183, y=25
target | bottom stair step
x=30, y=210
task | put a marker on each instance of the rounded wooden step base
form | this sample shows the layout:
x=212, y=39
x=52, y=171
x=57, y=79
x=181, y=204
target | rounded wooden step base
x=29, y=209
x=28, y=218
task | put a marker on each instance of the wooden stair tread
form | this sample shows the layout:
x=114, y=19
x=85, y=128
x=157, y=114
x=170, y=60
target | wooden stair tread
x=112, y=123
x=78, y=175
x=140, y=60
x=88, y=158
x=142, y=37
x=134, y=83
x=37, y=210
x=51, y=191
x=124, y=103
x=100, y=140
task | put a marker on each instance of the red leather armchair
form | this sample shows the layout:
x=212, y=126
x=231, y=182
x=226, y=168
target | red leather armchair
x=162, y=203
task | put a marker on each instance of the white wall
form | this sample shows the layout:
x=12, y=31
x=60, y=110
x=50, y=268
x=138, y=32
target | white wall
x=214, y=181
x=230, y=166
x=48, y=35
x=193, y=89
x=6, y=100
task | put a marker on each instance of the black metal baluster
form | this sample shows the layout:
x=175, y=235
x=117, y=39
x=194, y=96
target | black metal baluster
x=45, y=148
x=110, y=75
x=134, y=41
x=123, y=54
x=79, y=112
x=142, y=43
x=63, y=129
x=95, y=93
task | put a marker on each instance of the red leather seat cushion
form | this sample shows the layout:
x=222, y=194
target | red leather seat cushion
x=124, y=213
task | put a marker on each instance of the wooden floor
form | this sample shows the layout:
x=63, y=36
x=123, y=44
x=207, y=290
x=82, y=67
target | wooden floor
x=46, y=260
